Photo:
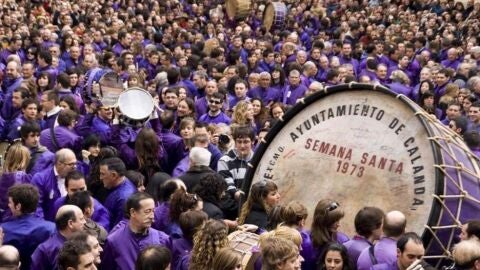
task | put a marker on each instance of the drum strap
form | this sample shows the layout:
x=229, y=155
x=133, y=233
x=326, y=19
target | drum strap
x=371, y=252
x=53, y=138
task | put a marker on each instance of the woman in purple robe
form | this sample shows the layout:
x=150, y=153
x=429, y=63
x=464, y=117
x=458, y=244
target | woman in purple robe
x=16, y=161
x=326, y=221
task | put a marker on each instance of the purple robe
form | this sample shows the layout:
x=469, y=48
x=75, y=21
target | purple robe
x=292, y=94
x=182, y=167
x=47, y=185
x=402, y=89
x=201, y=106
x=115, y=201
x=7, y=180
x=180, y=247
x=220, y=118
x=385, y=251
x=40, y=159
x=355, y=246
x=123, y=246
x=45, y=256
x=66, y=138
x=341, y=239
x=266, y=95
x=26, y=232
x=174, y=146
x=307, y=252
x=101, y=128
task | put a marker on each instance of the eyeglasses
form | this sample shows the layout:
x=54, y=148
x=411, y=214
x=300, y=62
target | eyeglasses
x=333, y=206
x=215, y=101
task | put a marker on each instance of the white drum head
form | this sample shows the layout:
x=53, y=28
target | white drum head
x=136, y=103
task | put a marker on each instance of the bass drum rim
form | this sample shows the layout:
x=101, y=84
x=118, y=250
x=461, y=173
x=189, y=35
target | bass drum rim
x=439, y=177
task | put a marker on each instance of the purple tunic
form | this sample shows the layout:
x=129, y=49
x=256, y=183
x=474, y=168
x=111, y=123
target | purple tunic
x=101, y=128
x=201, y=106
x=355, y=246
x=47, y=185
x=266, y=95
x=66, y=138
x=220, y=118
x=180, y=248
x=45, y=256
x=307, y=252
x=401, y=89
x=7, y=180
x=385, y=251
x=123, y=246
x=115, y=201
x=291, y=94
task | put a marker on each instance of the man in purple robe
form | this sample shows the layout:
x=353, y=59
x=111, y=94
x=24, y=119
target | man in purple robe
x=441, y=80
x=215, y=115
x=63, y=135
x=452, y=60
x=201, y=104
x=127, y=240
x=112, y=174
x=50, y=106
x=294, y=90
x=25, y=231
x=368, y=225
x=69, y=219
x=409, y=252
x=51, y=182
x=14, y=47
x=385, y=250
x=74, y=182
x=40, y=157
x=44, y=61
x=241, y=89
x=346, y=57
x=263, y=91
x=123, y=44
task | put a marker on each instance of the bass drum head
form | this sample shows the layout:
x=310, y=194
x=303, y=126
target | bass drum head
x=110, y=88
x=230, y=7
x=136, y=103
x=268, y=16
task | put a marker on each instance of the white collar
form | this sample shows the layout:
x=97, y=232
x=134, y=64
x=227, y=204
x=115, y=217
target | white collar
x=53, y=111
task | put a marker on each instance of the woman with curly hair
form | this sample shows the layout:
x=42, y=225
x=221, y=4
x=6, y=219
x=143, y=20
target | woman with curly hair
x=262, y=198
x=326, y=221
x=243, y=114
x=335, y=258
x=260, y=112
x=206, y=243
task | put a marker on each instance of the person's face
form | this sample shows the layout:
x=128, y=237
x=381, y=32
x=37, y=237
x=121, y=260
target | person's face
x=240, y=90
x=75, y=52
x=171, y=100
x=96, y=248
x=429, y=101
x=17, y=100
x=453, y=111
x=411, y=253
x=32, y=140
x=424, y=87
x=382, y=72
x=214, y=104
x=31, y=111
x=333, y=260
x=105, y=113
x=182, y=93
x=463, y=233
x=87, y=262
x=73, y=79
x=11, y=70
x=198, y=81
x=143, y=217
x=187, y=132
x=249, y=112
x=55, y=51
x=301, y=58
x=108, y=177
x=474, y=114
x=466, y=105
x=270, y=58
x=67, y=165
x=277, y=112
x=294, y=80
x=76, y=185
x=27, y=70
x=43, y=81
x=257, y=107
x=404, y=61
x=264, y=81
x=347, y=49
x=127, y=40
x=273, y=198
x=79, y=222
x=453, y=126
x=441, y=79
x=243, y=146
x=183, y=109
x=293, y=263
x=211, y=88
x=94, y=150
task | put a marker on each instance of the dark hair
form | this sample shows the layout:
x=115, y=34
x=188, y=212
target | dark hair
x=90, y=140
x=64, y=80
x=45, y=55
x=473, y=228
x=69, y=255
x=71, y=103
x=61, y=221
x=26, y=102
x=82, y=199
x=24, y=92
x=181, y=202
x=191, y=221
x=73, y=176
x=66, y=117
x=153, y=258
x=26, y=195
x=211, y=187
x=241, y=132
x=133, y=202
x=29, y=127
x=347, y=264
x=403, y=240
x=52, y=95
x=115, y=164
x=462, y=123
x=166, y=190
x=472, y=139
x=135, y=177
x=167, y=119
x=367, y=220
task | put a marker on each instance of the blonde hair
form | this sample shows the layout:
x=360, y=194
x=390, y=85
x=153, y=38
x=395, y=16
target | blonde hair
x=226, y=258
x=239, y=115
x=276, y=251
x=17, y=158
x=206, y=243
x=451, y=92
x=282, y=232
x=293, y=213
x=465, y=252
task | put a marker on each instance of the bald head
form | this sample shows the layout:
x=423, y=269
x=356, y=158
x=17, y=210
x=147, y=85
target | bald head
x=395, y=223
x=9, y=257
x=69, y=219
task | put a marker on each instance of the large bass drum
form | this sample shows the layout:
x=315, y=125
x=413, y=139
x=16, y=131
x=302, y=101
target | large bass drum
x=136, y=106
x=362, y=145
x=238, y=9
x=274, y=16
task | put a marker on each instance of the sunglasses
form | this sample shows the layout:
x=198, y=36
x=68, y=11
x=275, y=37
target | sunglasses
x=333, y=206
x=215, y=102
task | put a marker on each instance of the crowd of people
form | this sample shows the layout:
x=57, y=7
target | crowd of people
x=85, y=187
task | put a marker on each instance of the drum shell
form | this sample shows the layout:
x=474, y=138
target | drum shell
x=238, y=9
x=274, y=16
x=245, y=244
x=453, y=171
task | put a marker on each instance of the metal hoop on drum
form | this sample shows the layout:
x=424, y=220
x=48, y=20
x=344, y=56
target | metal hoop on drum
x=136, y=106
x=331, y=140
x=110, y=88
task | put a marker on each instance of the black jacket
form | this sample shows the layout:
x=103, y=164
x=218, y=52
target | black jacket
x=192, y=177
